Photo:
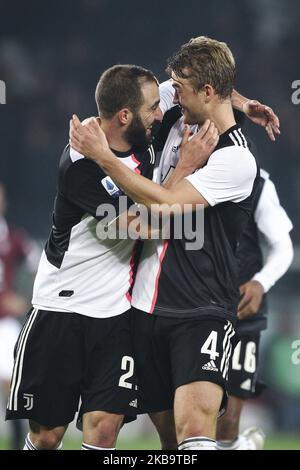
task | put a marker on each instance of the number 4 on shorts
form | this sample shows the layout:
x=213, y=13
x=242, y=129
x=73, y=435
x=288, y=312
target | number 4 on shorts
x=210, y=345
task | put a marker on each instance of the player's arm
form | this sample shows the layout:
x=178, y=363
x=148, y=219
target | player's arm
x=136, y=223
x=149, y=226
x=279, y=257
x=92, y=142
x=274, y=224
x=225, y=178
x=258, y=113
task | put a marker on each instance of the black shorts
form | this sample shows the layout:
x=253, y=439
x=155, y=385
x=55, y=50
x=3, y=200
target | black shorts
x=242, y=375
x=171, y=352
x=61, y=357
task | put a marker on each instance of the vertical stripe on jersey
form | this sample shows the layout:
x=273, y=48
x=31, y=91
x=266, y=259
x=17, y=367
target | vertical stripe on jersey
x=239, y=131
x=161, y=257
x=152, y=154
x=135, y=160
x=133, y=268
x=229, y=333
x=238, y=138
x=18, y=365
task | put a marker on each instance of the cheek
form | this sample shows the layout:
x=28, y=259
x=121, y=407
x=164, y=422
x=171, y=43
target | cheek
x=192, y=105
x=149, y=120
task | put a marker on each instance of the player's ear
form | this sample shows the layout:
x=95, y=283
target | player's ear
x=125, y=116
x=209, y=92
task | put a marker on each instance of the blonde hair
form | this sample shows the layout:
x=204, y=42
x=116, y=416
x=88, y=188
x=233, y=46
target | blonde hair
x=205, y=61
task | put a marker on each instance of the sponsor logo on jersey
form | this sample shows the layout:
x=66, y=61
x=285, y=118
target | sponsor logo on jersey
x=246, y=385
x=111, y=187
x=133, y=403
x=210, y=366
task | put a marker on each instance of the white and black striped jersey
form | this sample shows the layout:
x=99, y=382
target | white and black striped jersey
x=172, y=281
x=78, y=271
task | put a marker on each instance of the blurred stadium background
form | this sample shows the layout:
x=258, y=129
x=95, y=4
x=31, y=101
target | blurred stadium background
x=51, y=55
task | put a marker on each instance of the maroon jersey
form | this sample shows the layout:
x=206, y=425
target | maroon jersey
x=14, y=248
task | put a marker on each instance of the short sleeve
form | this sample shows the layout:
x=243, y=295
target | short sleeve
x=228, y=176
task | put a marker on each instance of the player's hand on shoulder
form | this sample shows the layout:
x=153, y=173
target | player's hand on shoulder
x=88, y=138
x=252, y=293
x=264, y=116
x=196, y=151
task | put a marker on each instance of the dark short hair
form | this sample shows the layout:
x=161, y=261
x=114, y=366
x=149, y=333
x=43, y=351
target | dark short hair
x=120, y=87
x=205, y=61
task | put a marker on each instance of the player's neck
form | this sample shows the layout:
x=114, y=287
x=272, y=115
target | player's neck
x=115, y=139
x=222, y=116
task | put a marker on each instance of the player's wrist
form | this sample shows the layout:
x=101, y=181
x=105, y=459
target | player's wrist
x=187, y=167
x=245, y=106
x=184, y=169
x=259, y=280
x=104, y=157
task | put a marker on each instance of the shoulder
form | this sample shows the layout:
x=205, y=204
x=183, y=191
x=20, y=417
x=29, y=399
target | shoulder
x=264, y=174
x=269, y=188
x=166, y=92
x=234, y=159
x=76, y=172
x=75, y=165
x=269, y=191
